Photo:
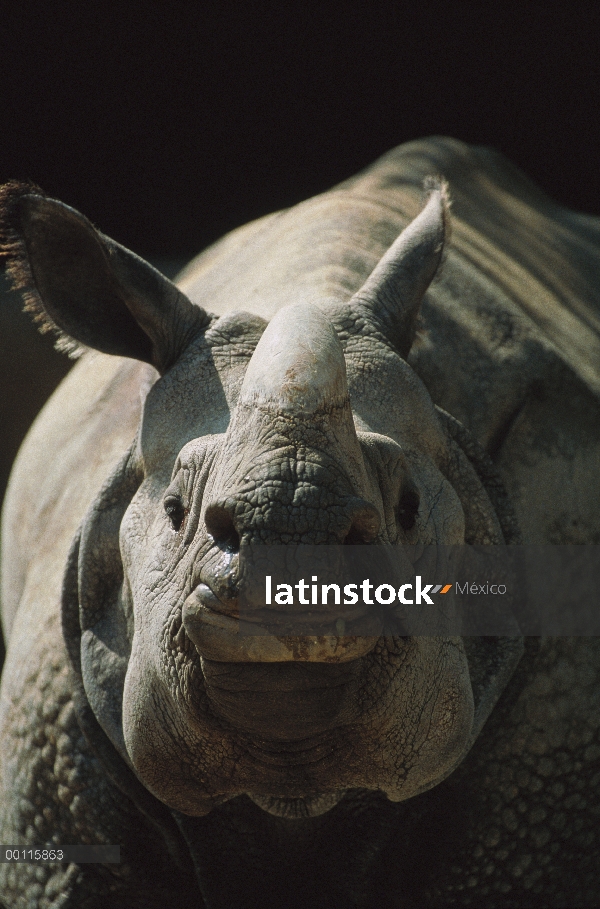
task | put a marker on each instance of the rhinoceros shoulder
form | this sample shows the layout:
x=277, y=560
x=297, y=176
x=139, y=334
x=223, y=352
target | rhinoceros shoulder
x=78, y=437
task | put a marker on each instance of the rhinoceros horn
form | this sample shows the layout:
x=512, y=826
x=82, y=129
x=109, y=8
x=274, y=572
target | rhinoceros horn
x=391, y=296
x=298, y=365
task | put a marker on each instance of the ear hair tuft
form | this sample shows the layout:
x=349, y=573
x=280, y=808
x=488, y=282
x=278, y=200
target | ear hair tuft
x=438, y=184
x=14, y=251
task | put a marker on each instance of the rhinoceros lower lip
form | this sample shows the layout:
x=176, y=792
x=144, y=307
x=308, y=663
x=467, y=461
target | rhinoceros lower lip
x=271, y=636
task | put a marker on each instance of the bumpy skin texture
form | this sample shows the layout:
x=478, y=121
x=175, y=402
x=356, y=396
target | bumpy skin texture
x=427, y=772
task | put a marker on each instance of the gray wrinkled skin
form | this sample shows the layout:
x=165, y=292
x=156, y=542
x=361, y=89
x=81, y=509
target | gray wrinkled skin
x=279, y=396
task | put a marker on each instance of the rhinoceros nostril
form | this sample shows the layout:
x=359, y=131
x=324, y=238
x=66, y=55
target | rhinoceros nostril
x=408, y=507
x=220, y=526
x=364, y=527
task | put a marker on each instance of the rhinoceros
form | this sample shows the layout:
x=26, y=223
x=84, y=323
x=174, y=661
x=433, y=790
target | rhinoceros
x=340, y=373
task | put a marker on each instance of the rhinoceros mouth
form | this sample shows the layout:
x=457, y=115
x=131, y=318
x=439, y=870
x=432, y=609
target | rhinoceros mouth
x=295, y=809
x=219, y=632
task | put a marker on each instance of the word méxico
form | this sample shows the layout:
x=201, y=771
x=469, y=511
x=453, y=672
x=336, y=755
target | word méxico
x=466, y=588
x=385, y=594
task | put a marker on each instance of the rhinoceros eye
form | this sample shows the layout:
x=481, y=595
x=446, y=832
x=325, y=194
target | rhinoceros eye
x=176, y=510
x=408, y=507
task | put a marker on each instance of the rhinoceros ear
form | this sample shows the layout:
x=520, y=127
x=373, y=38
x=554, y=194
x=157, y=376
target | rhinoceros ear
x=88, y=288
x=391, y=296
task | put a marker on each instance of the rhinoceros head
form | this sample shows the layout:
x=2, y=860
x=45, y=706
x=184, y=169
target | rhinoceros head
x=310, y=429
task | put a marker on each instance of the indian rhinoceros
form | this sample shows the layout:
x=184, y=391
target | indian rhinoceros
x=341, y=372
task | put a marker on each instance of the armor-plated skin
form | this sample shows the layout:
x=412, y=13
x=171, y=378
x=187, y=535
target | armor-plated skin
x=247, y=781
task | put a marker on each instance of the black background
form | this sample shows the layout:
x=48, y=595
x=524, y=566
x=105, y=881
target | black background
x=168, y=124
